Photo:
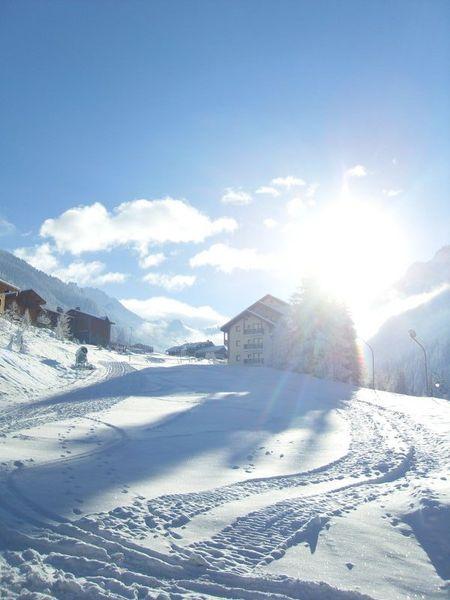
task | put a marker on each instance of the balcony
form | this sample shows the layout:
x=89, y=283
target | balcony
x=253, y=361
x=253, y=346
x=254, y=331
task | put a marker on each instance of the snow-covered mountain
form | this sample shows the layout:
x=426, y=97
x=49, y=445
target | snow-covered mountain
x=160, y=333
x=426, y=276
x=66, y=295
x=400, y=363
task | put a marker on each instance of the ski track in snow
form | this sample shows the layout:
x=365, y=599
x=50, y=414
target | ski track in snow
x=98, y=556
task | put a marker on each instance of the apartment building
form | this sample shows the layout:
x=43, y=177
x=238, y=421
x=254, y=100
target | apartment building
x=248, y=337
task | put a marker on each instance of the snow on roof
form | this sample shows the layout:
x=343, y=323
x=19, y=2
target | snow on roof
x=268, y=308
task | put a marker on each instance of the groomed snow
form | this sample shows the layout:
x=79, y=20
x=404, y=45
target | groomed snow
x=155, y=479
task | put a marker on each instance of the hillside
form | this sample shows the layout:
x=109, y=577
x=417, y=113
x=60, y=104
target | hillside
x=66, y=295
x=400, y=365
x=160, y=333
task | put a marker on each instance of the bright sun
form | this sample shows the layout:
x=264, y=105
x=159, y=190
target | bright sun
x=355, y=249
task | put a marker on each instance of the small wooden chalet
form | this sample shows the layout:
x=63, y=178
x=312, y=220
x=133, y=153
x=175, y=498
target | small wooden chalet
x=25, y=300
x=5, y=288
x=89, y=329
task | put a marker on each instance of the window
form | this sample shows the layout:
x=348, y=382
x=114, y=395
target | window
x=238, y=357
x=238, y=342
x=238, y=327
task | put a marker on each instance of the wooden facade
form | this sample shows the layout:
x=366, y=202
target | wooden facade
x=5, y=288
x=25, y=300
x=89, y=329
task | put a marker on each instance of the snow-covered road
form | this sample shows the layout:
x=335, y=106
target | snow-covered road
x=204, y=481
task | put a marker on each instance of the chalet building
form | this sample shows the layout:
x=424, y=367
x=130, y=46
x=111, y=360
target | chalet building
x=25, y=301
x=249, y=336
x=89, y=329
x=5, y=288
x=53, y=316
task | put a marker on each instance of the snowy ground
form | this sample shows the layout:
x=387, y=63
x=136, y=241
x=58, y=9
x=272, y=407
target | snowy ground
x=165, y=480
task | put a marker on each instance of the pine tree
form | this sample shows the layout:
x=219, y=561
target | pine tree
x=62, y=330
x=317, y=337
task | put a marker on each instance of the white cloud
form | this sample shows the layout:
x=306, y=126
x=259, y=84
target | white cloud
x=152, y=260
x=84, y=273
x=236, y=196
x=139, y=223
x=162, y=307
x=40, y=257
x=392, y=193
x=88, y=273
x=311, y=190
x=270, y=223
x=6, y=227
x=288, y=182
x=227, y=259
x=356, y=171
x=268, y=191
x=170, y=282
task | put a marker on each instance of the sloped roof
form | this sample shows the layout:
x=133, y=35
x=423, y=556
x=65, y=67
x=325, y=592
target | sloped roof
x=73, y=312
x=262, y=310
x=13, y=288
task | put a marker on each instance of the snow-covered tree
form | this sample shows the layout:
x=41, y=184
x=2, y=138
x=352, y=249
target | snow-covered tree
x=16, y=341
x=317, y=336
x=43, y=320
x=26, y=319
x=13, y=313
x=62, y=330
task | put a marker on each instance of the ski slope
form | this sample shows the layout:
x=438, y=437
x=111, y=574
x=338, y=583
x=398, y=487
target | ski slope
x=165, y=480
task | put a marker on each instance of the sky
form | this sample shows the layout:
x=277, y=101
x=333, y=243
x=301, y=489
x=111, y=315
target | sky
x=189, y=157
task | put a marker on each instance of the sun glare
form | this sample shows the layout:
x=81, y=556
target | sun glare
x=355, y=249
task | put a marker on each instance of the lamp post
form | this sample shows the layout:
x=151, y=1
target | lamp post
x=373, y=360
x=413, y=336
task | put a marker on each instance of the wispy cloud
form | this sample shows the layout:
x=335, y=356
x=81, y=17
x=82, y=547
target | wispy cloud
x=391, y=193
x=6, y=228
x=84, y=273
x=40, y=257
x=171, y=283
x=268, y=191
x=227, y=259
x=162, y=307
x=311, y=190
x=288, y=182
x=236, y=196
x=152, y=260
x=356, y=171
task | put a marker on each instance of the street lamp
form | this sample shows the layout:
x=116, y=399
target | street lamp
x=373, y=360
x=413, y=336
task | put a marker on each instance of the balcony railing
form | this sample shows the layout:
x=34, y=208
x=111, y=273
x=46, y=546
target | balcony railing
x=253, y=361
x=253, y=346
x=253, y=331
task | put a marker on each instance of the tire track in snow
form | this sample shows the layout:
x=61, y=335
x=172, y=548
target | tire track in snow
x=170, y=512
x=263, y=536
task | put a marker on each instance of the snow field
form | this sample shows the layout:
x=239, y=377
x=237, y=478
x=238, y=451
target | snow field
x=196, y=481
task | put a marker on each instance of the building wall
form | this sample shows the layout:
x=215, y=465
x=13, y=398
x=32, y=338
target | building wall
x=250, y=342
x=88, y=329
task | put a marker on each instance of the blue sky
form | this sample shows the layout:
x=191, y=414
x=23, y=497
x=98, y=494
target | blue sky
x=339, y=108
